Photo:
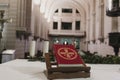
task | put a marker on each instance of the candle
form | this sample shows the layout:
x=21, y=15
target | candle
x=45, y=47
x=32, y=48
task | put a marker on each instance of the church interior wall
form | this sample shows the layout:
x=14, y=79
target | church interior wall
x=94, y=44
x=94, y=23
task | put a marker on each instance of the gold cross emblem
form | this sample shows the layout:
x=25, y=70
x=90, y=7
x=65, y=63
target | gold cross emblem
x=67, y=53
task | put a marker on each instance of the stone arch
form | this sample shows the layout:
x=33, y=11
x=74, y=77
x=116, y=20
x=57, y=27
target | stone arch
x=73, y=4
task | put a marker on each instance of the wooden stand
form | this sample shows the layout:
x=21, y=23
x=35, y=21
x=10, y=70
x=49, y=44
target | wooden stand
x=55, y=72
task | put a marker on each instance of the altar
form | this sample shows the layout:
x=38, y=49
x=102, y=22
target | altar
x=22, y=69
x=8, y=55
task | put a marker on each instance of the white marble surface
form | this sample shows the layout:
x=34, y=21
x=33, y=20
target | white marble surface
x=20, y=69
x=8, y=51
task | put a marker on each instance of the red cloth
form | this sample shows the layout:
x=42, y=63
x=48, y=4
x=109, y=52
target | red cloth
x=66, y=54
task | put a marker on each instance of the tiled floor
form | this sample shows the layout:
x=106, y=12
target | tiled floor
x=21, y=69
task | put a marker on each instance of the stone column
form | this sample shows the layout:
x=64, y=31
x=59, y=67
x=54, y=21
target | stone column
x=94, y=17
x=22, y=13
x=118, y=24
x=59, y=21
x=28, y=14
x=101, y=14
x=115, y=24
x=60, y=11
x=32, y=19
x=93, y=24
x=88, y=23
x=59, y=24
x=73, y=21
x=37, y=20
x=97, y=29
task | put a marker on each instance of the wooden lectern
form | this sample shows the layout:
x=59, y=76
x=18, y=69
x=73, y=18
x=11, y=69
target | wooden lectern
x=68, y=64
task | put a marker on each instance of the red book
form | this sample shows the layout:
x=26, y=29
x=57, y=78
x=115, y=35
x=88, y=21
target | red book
x=67, y=55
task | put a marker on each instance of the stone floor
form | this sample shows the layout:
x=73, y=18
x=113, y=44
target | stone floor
x=21, y=69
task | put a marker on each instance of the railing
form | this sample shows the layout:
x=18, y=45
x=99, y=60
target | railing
x=66, y=33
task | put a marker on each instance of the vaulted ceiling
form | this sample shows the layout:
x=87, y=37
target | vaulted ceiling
x=48, y=7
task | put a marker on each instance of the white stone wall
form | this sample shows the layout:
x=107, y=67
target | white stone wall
x=21, y=15
x=110, y=25
x=66, y=17
x=9, y=28
x=39, y=24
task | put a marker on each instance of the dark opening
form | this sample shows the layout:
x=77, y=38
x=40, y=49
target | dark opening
x=66, y=26
x=77, y=11
x=56, y=11
x=77, y=25
x=55, y=25
x=67, y=10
